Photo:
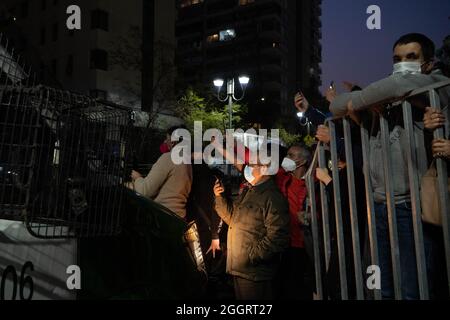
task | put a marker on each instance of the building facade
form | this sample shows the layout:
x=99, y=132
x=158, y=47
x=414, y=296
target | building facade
x=113, y=56
x=275, y=42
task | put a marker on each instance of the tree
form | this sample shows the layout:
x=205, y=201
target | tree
x=126, y=54
x=192, y=107
x=288, y=138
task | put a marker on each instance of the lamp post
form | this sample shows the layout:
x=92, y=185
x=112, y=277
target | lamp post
x=230, y=97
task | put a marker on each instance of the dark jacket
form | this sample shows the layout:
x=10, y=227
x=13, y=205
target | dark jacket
x=258, y=231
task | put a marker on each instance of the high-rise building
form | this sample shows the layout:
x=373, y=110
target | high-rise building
x=275, y=42
x=115, y=54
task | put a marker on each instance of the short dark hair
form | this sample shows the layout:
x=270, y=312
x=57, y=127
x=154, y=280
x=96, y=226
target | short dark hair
x=428, y=47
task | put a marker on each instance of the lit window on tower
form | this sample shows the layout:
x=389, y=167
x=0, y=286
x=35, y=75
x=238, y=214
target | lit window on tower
x=213, y=38
x=245, y=2
x=227, y=35
x=188, y=3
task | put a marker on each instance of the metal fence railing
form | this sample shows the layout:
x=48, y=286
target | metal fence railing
x=62, y=162
x=353, y=228
x=63, y=156
x=13, y=71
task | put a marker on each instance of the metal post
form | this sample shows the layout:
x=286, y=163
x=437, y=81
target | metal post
x=325, y=209
x=443, y=186
x=371, y=221
x=230, y=93
x=390, y=201
x=415, y=201
x=338, y=213
x=353, y=210
x=315, y=234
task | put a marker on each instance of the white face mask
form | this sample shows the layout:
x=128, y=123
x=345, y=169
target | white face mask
x=214, y=163
x=407, y=68
x=248, y=174
x=289, y=165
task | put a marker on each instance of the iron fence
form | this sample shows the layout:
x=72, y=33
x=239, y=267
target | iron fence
x=62, y=162
x=63, y=156
x=353, y=229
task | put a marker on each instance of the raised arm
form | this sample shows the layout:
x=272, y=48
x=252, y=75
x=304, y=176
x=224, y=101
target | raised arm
x=152, y=183
x=380, y=92
x=221, y=204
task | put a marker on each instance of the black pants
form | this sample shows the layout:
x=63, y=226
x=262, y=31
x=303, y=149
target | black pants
x=252, y=290
x=294, y=278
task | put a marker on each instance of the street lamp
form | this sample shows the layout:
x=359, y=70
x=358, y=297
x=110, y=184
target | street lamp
x=230, y=97
x=218, y=83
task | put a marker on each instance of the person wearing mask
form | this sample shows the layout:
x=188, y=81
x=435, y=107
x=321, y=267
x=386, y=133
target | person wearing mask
x=167, y=183
x=295, y=263
x=167, y=144
x=258, y=233
x=413, y=68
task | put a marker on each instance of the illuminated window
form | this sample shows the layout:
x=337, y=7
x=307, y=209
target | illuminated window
x=188, y=3
x=213, y=38
x=227, y=35
x=245, y=2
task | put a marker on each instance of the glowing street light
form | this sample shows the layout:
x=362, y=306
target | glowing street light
x=230, y=97
x=218, y=83
x=244, y=80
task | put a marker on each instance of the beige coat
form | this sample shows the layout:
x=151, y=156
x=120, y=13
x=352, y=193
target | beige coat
x=167, y=184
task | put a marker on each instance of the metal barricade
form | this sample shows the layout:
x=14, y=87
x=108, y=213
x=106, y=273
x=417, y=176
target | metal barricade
x=416, y=165
x=62, y=162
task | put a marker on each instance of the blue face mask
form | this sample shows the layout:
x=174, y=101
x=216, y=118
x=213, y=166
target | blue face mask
x=248, y=174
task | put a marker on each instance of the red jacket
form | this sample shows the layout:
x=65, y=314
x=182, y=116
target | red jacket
x=295, y=192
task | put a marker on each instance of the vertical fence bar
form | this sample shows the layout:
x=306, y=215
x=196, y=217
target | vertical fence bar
x=338, y=212
x=325, y=209
x=353, y=210
x=371, y=220
x=415, y=201
x=443, y=186
x=392, y=218
x=315, y=234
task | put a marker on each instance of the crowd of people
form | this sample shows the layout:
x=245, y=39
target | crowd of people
x=261, y=237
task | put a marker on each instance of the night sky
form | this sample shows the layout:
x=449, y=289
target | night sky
x=354, y=53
